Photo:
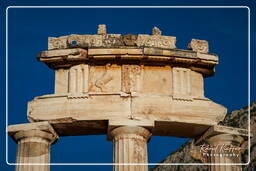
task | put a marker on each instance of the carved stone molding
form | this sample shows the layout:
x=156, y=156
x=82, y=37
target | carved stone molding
x=156, y=31
x=199, y=46
x=166, y=42
x=102, y=29
x=131, y=78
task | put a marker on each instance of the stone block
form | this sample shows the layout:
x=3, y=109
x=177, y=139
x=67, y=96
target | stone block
x=199, y=46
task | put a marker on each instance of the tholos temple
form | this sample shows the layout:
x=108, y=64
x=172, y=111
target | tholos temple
x=128, y=87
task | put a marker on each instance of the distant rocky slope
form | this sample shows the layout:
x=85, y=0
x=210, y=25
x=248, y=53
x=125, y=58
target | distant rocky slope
x=238, y=118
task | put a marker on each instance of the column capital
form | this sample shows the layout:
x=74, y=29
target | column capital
x=33, y=135
x=223, y=145
x=130, y=146
x=33, y=131
x=33, y=144
x=225, y=139
x=223, y=133
x=128, y=131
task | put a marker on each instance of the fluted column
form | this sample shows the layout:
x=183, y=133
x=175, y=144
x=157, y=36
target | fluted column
x=130, y=146
x=226, y=149
x=33, y=145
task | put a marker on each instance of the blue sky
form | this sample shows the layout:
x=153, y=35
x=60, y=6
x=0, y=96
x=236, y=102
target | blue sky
x=28, y=30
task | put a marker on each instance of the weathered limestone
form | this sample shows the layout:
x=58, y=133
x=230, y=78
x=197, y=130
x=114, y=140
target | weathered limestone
x=224, y=147
x=199, y=46
x=102, y=39
x=174, y=114
x=128, y=87
x=156, y=31
x=227, y=152
x=112, y=78
x=182, y=83
x=65, y=58
x=34, y=141
x=130, y=147
x=102, y=29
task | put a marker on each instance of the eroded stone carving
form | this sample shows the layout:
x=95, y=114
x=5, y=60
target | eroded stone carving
x=105, y=78
x=57, y=43
x=85, y=41
x=156, y=31
x=199, y=46
x=102, y=39
x=130, y=78
x=112, y=40
x=156, y=41
x=102, y=29
x=130, y=39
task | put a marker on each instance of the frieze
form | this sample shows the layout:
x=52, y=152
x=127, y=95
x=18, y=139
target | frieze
x=57, y=43
x=84, y=41
x=111, y=40
x=167, y=42
x=129, y=39
x=130, y=78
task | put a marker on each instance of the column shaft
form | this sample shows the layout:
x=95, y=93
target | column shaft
x=33, y=148
x=130, y=146
x=223, y=153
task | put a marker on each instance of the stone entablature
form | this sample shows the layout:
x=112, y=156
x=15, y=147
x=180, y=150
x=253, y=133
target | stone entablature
x=137, y=79
x=167, y=116
x=65, y=58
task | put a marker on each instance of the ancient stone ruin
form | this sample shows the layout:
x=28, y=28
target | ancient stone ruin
x=129, y=87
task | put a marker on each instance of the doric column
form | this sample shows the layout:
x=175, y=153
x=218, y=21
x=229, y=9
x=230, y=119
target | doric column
x=33, y=145
x=130, y=146
x=226, y=150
